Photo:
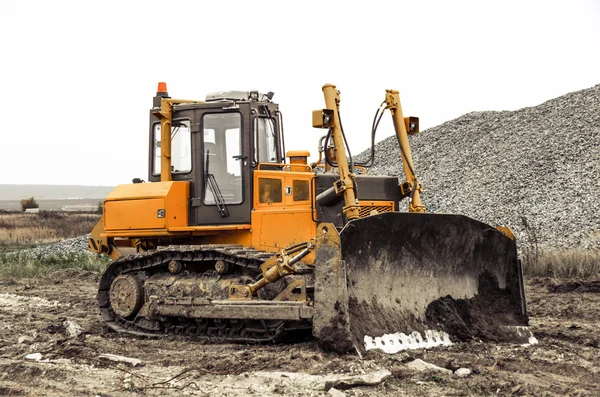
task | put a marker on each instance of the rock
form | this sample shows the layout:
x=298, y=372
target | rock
x=420, y=365
x=34, y=356
x=519, y=390
x=588, y=365
x=133, y=362
x=72, y=329
x=348, y=382
x=25, y=340
x=333, y=392
x=462, y=372
x=77, y=245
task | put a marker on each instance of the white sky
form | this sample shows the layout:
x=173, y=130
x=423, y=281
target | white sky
x=78, y=77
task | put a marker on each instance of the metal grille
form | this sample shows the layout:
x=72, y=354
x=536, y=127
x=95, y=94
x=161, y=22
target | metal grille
x=370, y=208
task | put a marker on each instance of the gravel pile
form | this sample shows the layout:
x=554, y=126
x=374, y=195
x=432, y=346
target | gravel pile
x=77, y=245
x=540, y=163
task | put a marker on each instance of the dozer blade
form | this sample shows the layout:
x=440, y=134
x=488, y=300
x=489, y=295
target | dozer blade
x=396, y=281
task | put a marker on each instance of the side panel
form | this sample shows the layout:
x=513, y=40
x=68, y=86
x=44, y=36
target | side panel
x=140, y=206
x=280, y=229
x=134, y=214
x=282, y=213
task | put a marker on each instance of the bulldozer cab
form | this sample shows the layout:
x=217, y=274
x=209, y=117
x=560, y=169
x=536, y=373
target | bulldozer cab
x=216, y=146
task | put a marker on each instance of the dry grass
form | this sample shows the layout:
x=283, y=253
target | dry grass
x=20, y=229
x=562, y=263
x=565, y=263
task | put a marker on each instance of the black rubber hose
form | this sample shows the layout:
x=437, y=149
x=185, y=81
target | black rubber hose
x=331, y=163
x=296, y=246
x=346, y=143
x=291, y=251
x=321, y=150
x=351, y=159
x=371, y=159
x=327, y=159
x=376, y=121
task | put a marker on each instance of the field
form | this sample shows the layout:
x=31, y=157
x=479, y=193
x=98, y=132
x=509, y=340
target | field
x=55, y=205
x=50, y=316
x=18, y=229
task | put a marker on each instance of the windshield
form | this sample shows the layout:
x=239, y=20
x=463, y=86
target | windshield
x=265, y=146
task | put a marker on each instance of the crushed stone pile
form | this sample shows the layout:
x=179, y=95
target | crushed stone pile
x=77, y=245
x=539, y=165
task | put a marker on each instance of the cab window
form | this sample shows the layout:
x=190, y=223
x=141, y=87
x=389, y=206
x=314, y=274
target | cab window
x=223, y=158
x=265, y=145
x=181, y=152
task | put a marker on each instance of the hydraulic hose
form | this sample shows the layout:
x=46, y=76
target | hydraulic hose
x=321, y=150
x=346, y=143
x=327, y=159
x=376, y=121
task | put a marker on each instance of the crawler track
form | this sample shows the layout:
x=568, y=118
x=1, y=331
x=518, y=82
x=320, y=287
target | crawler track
x=156, y=262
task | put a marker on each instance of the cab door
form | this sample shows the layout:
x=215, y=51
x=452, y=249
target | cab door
x=222, y=191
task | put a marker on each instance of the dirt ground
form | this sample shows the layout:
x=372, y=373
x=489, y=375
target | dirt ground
x=43, y=316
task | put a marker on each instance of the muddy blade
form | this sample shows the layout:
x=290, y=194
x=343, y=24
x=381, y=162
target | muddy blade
x=427, y=273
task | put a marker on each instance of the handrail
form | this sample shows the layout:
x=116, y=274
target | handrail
x=286, y=167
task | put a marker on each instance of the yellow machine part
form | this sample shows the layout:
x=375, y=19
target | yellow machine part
x=282, y=209
x=369, y=207
x=142, y=206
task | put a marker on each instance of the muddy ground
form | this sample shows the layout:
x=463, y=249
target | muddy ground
x=40, y=316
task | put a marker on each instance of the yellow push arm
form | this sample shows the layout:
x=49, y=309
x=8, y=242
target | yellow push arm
x=392, y=100
x=346, y=183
